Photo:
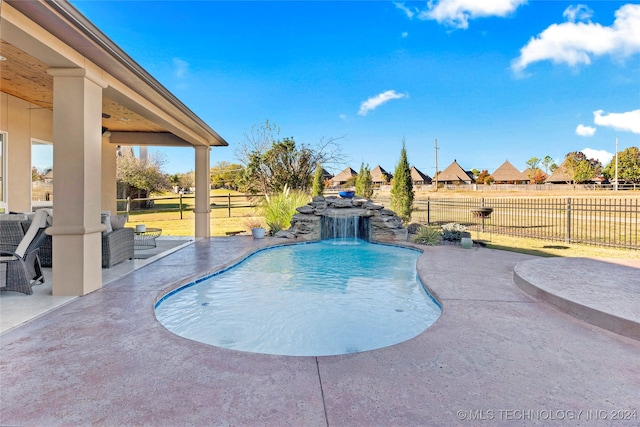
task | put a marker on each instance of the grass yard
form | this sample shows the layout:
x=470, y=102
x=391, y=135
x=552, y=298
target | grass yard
x=167, y=217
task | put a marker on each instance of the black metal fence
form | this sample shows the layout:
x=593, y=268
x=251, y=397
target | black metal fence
x=612, y=222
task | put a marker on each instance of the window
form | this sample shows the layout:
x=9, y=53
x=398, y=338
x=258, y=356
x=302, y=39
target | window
x=41, y=173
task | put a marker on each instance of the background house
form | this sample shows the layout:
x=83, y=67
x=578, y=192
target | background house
x=379, y=176
x=454, y=174
x=419, y=178
x=508, y=174
x=561, y=175
x=342, y=178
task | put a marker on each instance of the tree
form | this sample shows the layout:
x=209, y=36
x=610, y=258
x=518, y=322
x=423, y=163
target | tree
x=364, y=182
x=547, y=162
x=628, y=166
x=318, y=182
x=539, y=177
x=583, y=172
x=484, y=177
x=270, y=164
x=533, y=167
x=135, y=175
x=475, y=172
x=402, y=188
x=580, y=168
x=533, y=163
x=224, y=174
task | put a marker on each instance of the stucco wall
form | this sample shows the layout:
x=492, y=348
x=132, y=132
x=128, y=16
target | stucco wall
x=22, y=121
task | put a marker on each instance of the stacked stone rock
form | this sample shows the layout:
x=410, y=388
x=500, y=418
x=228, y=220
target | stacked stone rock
x=385, y=225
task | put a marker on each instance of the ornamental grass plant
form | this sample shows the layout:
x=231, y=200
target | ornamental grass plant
x=278, y=209
x=429, y=236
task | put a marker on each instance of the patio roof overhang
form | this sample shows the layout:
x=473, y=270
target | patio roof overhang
x=36, y=36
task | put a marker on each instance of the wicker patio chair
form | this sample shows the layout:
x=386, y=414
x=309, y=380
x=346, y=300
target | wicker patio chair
x=117, y=246
x=22, y=269
x=11, y=234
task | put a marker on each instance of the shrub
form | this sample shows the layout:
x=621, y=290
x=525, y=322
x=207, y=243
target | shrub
x=453, y=232
x=428, y=236
x=278, y=209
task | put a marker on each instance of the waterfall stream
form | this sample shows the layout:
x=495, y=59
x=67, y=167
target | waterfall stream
x=345, y=228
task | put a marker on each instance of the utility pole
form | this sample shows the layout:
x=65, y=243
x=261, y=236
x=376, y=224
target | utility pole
x=435, y=145
x=616, y=184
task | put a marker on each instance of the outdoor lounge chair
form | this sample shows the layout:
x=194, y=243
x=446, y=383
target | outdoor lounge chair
x=22, y=268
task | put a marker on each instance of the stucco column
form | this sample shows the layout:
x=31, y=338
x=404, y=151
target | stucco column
x=109, y=184
x=203, y=207
x=77, y=146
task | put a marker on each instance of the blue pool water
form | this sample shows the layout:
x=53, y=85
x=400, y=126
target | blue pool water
x=314, y=299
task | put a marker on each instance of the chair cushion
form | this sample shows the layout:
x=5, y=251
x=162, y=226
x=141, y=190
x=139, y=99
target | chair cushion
x=105, y=218
x=118, y=221
x=39, y=221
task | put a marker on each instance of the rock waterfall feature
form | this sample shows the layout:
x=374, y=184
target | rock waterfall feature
x=326, y=217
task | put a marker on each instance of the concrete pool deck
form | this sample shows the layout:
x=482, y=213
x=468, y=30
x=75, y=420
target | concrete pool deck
x=495, y=356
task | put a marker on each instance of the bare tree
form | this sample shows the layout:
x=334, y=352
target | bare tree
x=271, y=163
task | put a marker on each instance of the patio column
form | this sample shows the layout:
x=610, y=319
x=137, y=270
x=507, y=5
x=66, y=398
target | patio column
x=203, y=184
x=77, y=145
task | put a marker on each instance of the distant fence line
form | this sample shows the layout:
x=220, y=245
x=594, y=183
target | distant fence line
x=594, y=221
x=609, y=222
x=519, y=187
x=186, y=202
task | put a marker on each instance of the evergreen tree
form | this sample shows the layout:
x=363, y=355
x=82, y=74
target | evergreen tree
x=318, y=182
x=402, y=188
x=364, y=182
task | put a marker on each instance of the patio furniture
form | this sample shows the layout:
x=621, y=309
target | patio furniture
x=22, y=267
x=117, y=244
x=146, y=239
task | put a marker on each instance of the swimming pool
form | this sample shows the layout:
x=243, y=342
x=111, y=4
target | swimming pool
x=313, y=299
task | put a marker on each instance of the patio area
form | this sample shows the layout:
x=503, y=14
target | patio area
x=496, y=354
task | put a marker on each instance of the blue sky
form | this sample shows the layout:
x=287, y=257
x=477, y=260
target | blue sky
x=491, y=80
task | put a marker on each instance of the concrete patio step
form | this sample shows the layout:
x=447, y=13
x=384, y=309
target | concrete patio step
x=602, y=293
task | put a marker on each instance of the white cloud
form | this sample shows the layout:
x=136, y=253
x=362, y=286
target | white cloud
x=578, y=13
x=603, y=155
x=343, y=116
x=410, y=13
x=628, y=122
x=583, y=130
x=376, y=101
x=457, y=13
x=181, y=67
x=576, y=43
x=405, y=34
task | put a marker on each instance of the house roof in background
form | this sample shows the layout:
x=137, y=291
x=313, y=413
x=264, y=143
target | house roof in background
x=416, y=175
x=454, y=173
x=378, y=174
x=560, y=175
x=508, y=172
x=344, y=175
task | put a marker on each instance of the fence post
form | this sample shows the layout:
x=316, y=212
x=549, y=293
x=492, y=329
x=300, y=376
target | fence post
x=428, y=210
x=128, y=205
x=180, y=203
x=229, y=203
x=568, y=239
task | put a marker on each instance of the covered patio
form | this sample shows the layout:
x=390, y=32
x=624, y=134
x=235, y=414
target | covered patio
x=64, y=83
